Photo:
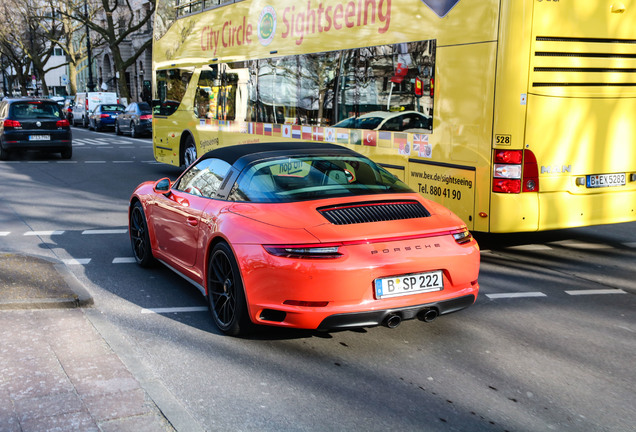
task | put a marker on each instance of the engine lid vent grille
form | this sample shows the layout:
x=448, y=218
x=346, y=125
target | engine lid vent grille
x=376, y=211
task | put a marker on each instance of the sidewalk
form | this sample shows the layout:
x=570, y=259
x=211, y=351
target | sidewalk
x=57, y=373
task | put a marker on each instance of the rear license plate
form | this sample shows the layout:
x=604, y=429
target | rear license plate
x=409, y=284
x=606, y=180
x=39, y=137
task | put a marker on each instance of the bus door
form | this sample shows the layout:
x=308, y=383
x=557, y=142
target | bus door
x=581, y=111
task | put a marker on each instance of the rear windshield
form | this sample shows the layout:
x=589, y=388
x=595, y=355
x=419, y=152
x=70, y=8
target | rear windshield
x=34, y=110
x=314, y=177
x=143, y=106
x=118, y=108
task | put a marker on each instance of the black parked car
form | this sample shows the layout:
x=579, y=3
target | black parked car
x=136, y=120
x=104, y=116
x=33, y=124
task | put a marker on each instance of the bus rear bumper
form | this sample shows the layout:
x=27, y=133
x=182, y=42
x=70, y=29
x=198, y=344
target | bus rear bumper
x=527, y=212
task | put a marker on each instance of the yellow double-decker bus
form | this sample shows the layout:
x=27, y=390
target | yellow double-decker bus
x=518, y=115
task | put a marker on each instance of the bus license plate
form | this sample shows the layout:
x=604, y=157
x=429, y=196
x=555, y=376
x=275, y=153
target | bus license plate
x=606, y=180
x=409, y=284
x=39, y=137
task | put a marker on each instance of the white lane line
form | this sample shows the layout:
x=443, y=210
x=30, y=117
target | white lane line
x=596, y=291
x=78, y=261
x=66, y=162
x=124, y=260
x=105, y=231
x=37, y=162
x=43, y=233
x=123, y=162
x=4, y=233
x=95, y=162
x=530, y=247
x=515, y=295
x=174, y=310
x=575, y=244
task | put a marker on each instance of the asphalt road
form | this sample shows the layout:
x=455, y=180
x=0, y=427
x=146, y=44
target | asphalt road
x=549, y=345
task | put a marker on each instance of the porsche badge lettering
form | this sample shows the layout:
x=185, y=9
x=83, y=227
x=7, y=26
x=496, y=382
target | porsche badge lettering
x=405, y=249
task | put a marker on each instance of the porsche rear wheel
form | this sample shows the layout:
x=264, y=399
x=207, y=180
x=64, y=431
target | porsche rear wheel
x=226, y=297
x=139, y=238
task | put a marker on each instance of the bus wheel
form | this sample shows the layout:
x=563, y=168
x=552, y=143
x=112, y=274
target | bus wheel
x=189, y=152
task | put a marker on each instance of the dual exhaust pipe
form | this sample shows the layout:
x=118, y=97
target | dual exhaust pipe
x=393, y=320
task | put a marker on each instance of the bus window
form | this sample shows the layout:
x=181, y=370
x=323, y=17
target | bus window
x=170, y=90
x=216, y=94
x=329, y=88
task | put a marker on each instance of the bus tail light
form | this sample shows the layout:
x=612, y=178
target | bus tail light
x=530, y=172
x=515, y=171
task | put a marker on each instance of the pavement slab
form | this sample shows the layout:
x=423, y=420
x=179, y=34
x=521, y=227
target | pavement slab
x=57, y=372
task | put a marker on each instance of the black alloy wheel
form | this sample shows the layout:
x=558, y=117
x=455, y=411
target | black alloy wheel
x=226, y=298
x=4, y=154
x=67, y=153
x=139, y=238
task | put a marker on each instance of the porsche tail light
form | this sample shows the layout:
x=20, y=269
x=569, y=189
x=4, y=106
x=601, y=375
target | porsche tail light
x=305, y=251
x=462, y=236
x=145, y=117
x=104, y=116
x=62, y=123
x=515, y=171
x=12, y=123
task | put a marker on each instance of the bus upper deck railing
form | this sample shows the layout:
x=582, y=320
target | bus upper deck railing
x=187, y=7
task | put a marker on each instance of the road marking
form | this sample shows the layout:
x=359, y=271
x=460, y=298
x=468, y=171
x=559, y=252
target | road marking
x=124, y=260
x=4, y=233
x=123, y=162
x=515, y=295
x=78, y=261
x=174, y=310
x=530, y=247
x=66, y=162
x=95, y=162
x=596, y=291
x=43, y=233
x=37, y=162
x=575, y=244
x=105, y=231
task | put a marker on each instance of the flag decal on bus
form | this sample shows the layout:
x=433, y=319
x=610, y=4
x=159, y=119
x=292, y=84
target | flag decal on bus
x=441, y=7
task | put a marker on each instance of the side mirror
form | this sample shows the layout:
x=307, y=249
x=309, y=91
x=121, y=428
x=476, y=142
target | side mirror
x=162, y=186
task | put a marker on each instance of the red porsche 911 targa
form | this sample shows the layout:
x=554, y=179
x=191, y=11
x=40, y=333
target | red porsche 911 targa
x=308, y=235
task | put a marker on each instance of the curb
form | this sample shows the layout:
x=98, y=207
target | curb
x=78, y=297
